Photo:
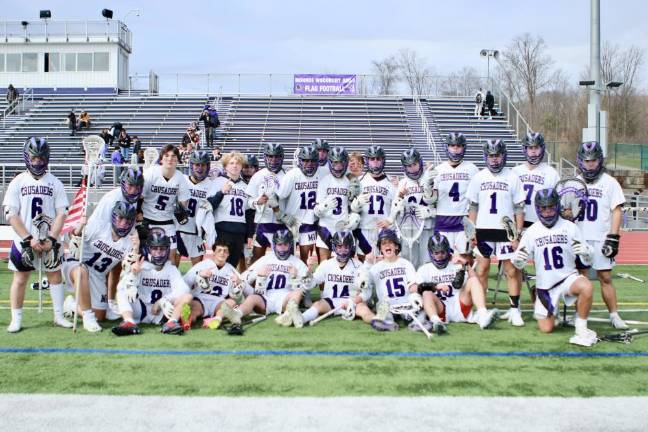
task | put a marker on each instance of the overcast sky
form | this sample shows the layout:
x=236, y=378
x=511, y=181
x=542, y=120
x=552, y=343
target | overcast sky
x=335, y=36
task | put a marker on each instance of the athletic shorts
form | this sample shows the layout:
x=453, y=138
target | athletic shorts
x=15, y=261
x=190, y=245
x=599, y=261
x=457, y=240
x=501, y=250
x=336, y=303
x=454, y=310
x=210, y=303
x=97, y=284
x=142, y=313
x=547, y=300
x=264, y=232
x=307, y=234
x=324, y=235
x=274, y=302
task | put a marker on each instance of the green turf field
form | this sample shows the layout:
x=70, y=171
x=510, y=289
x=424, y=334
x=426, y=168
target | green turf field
x=253, y=374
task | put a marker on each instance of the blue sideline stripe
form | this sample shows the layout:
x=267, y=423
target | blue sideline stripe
x=575, y=354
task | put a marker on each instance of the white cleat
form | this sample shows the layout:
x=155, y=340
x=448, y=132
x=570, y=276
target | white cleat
x=382, y=310
x=284, y=319
x=515, y=317
x=113, y=311
x=618, y=323
x=487, y=319
x=92, y=325
x=233, y=315
x=584, y=338
x=505, y=315
x=13, y=327
x=292, y=309
x=62, y=322
x=68, y=307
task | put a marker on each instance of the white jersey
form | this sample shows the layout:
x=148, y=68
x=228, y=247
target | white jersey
x=605, y=194
x=160, y=195
x=103, y=210
x=392, y=280
x=235, y=201
x=414, y=194
x=452, y=185
x=551, y=250
x=300, y=193
x=100, y=252
x=429, y=273
x=218, y=281
x=262, y=181
x=198, y=193
x=31, y=197
x=277, y=280
x=496, y=195
x=381, y=194
x=155, y=284
x=329, y=186
x=542, y=176
x=338, y=282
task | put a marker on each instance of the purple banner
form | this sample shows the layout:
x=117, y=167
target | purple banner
x=324, y=84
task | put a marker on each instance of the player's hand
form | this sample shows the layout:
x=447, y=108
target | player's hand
x=515, y=244
x=227, y=187
x=206, y=273
x=36, y=245
x=137, y=267
x=383, y=223
x=443, y=287
x=402, y=191
x=262, y=200
x=46, y=245
x=312, y=260
x=458, y=259
x=264, y=271
x=134, y=239
x=293, y=271
x=370, y=258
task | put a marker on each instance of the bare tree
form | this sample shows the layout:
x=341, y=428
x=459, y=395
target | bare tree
x=415, y=72
x=461, y=83
x=385, y=75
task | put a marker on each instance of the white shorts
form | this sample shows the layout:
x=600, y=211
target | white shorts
x=454, y=312
x=190, y=245
x=335, y=303
x=15, y=261
x=367, y=238
x=547, y=301
x=142, y=313
x=274, y=303
x=457, y=240
x=501, y=250
x=169, y=230
x=599, y=261
x=308, y=237
x=210, y=303
x=97, y=284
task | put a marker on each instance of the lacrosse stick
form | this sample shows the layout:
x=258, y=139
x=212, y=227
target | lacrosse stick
x=629, y=276
x=42, y=224
x=574, y=198
x=509, y=226
x=324, y=316
x=409, y=225
x=623, y=337
x=151, y=156
x=606, y=320
x=267, y=188
x=470, y=232
x=91, y=144
x=407, y=309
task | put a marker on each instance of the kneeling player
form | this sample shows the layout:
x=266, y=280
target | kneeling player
x=214, y=282
x=152, y=290
x=446, y=296
x=278, y=281
x=555, y=244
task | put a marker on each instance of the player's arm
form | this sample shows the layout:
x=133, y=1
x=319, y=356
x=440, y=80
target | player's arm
x=57, y=225
x=286, y=185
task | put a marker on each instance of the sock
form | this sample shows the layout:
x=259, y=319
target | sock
x=57, y=293
x=614, y=315
x=88, y=315
x=514, y=301
x=581, y=324
x=482, y=311
x=16, y=315
x=310, y=314
x=435, y=319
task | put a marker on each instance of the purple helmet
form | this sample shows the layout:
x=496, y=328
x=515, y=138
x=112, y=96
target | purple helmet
x=495, y=147
x=439, y=243
x=308, y=160
x=409, y=157
x=158, y=239
x=375, y=152
x=547, y=198
x=272, y=149
x=389, y=234
x=197, y=158
x=456, y=139
x=36, y=147
x=533, y=139
x=123, y=210
x=321, y=144
x=283, y=236
x=589, y=151
x=343, y=238
x=338, y=154
x=132, y=176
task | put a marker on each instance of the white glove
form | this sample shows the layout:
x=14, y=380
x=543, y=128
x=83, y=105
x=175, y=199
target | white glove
x=397, y=205
x=430, y=197
x=350, y=224
x=358, y=204
x=235, y=292
x=131, y=292
x=363, y=280
x=249, y=276
x=273, y=200
x=354, y=189
x=290, y=221
x=416, y=300
x=584, y=250
x=328, y=205
x=348, y=313
x=129, y=260
x=73, y=246
x=260, y=286
x=424, y=212
x=167, y=307
x=520, y=258
x=203, y=284
x=205, y=205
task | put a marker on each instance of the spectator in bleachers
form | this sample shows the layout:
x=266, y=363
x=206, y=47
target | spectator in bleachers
x=490, y=105
x=108, y=139
x=209, y=117
x=479, y=103
x=137, y=145
x=117, y=160
x=115, y=131
x=125, y=145
x=216, y=154
x=185, y=152
x=72, y=122
x=12, y=96
x=356, y=165
x=84, y=120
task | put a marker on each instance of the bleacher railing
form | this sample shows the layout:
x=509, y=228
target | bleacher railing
x=27, y=97
x=512, y=113
x=429, y=138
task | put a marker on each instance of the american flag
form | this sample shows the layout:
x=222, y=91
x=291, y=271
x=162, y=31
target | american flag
x=76, y=210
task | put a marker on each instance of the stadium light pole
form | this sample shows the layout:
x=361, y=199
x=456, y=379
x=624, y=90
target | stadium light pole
x=488, y=53
x=137, y=13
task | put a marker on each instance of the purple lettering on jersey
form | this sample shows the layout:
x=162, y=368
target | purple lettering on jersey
x=375, y=189
x=108, y=250
x=156, y=283
x=198, y=193
x=454, y=176
x=496, y=185
x=332, y=277
x=391, y=272
x=164, y=190
x=552, y=239
x=306, y=185
x=37, y=190
x=448, y=223
x=336, y=191
x=533, y=178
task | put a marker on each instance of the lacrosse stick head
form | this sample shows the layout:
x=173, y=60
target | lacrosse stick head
x=453, y=140
x=323, y=148
x=408, y=224
x=151, y=157
x=349, y=312
x=439, y=250
x=412, y=163
x=273, y=156
x=36, y=154
x=510, y=228
x=572, y=197
x=533, y=146
x=338, y=162
x=343, y=244
x=283, y=244
x=92, y=144
x=402, y=309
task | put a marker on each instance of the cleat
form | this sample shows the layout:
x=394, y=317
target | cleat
x=414, y=327
x=126, y=328
x=92, y=325
x=172, y=327
x=113, y=311
x=584, y=338
x=68, y=307
x=439, y=328
x=515, y=317
x=185, y=317
x=382, y=326
x=284, y=319
x=233, y=315
x=487, y=319
x=235, y=330
x=62, y=322
x=296, y=317
x=382, y=311
x=618, y=323
x=505, y=315
x=306, y=300
x=212, y=323
x=13, y=327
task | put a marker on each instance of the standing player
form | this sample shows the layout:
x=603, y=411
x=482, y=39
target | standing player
x=555, y=245
x=496, y=192
x=323, y=149
x=155, y=290
x=447, y=295
x=601, y=221
x=262, y=187
x=299, y=190
x=33, y=195
x=190, y=239
x=165, y=196
x=229, y=205
x=250, y=168
x=103, y=249
x=332, y=200
x=278, y=281
x=451, y=183
x=534, y=173
x=374, y=203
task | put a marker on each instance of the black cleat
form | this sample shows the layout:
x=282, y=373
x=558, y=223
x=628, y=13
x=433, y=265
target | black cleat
x=235, y=330
x=172, y=327
x=385, y=325
x=126, y=328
